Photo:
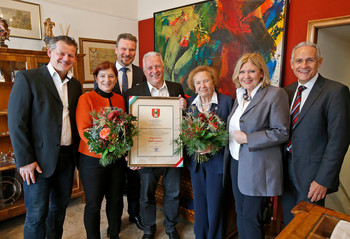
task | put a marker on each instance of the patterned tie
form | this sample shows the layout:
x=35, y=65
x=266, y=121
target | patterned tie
x=125, y=80
x=295, y=113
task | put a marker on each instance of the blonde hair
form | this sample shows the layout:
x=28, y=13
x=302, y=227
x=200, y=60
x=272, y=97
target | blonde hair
x=210, y=70
x=257, y=60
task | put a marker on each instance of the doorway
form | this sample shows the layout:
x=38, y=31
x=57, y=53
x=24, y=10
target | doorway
x=332, y=35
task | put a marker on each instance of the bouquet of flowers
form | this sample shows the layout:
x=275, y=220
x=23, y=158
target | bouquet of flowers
x=111, y=134
x=199, y=131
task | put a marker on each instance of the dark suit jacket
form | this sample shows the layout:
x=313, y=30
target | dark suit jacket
x=137, y=77
x=266, y=123
x=175, y=89
x=35, y=118
x=321, y=136
x=222, y=109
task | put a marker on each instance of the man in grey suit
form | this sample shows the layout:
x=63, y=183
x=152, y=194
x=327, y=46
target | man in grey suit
x=155, y=85
x=41, y=120
x=320, y=131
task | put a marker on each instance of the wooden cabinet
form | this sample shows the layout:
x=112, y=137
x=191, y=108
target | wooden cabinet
x=12, y=61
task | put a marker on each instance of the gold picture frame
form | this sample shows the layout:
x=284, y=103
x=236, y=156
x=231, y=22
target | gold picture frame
x=96, y=51
x=23, y=18
x=158, y=124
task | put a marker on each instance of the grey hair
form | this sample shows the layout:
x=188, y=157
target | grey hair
x=149, y=54
x=66, y=39
x=305, y=43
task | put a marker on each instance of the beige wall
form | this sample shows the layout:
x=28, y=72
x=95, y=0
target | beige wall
x=89, y=21
x=148, y=7
x=335, y=49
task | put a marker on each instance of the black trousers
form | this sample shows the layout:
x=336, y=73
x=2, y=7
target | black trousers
x=100, y=182
x=171, y=201
x=133, y=192
x=249, y=209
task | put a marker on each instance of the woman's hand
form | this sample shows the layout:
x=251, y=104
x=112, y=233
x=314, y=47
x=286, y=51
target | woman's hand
x=240, y=137
x=207, y=150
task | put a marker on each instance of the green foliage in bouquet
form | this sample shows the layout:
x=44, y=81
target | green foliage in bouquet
x=111, y=134
x=199, y=131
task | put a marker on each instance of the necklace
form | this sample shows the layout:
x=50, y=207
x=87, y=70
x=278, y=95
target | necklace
x=246, y=97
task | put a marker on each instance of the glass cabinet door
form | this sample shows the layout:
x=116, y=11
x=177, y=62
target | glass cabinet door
x=9, y=67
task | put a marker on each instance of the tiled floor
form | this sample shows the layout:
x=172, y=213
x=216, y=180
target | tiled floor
x=74, y=225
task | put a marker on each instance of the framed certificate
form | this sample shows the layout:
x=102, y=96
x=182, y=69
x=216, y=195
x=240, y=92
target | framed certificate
x=158, y=123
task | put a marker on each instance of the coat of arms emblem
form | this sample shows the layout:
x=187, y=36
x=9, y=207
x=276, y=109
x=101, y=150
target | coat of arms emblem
x=155, y=113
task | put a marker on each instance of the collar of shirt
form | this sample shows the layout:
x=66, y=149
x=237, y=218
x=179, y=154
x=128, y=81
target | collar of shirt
x=305, y=93
x=310, y=83
x=119, y=66
x=55, y=76
x=198, y=102
x=241, y=91
x=155, y=92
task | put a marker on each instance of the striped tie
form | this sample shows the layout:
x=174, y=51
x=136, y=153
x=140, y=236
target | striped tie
x=295, y=113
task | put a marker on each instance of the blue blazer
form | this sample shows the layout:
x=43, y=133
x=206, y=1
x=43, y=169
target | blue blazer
x=222, y=109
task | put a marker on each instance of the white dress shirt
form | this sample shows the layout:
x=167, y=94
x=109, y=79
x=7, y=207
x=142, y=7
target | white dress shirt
x=234, y=122
x=305, y=93
x=62, y=89
x=120, y=75
x=163, y=91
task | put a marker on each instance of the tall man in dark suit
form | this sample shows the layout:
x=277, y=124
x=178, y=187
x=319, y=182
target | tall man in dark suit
x=129, y=76
x=320, y=131
x=133, y=75
x=126, y=51
x=155, y=85
x=41, y=119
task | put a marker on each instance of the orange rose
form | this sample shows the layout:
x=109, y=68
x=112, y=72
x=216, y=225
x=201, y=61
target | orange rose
x=104, y=133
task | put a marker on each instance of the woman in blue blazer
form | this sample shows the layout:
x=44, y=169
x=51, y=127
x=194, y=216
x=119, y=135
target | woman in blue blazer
x=207, y=177
x=258, y=126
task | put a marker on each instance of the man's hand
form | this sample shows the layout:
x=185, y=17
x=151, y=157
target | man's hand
x=316, y=192
x=182, y=103
x=240, y=137
x=28, y=172
x=132, y=168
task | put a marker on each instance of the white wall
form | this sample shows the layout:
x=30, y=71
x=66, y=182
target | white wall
x=335, y=51
x=148, y=7
x=119, y=8
x=97, y=24
x=103, y=19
